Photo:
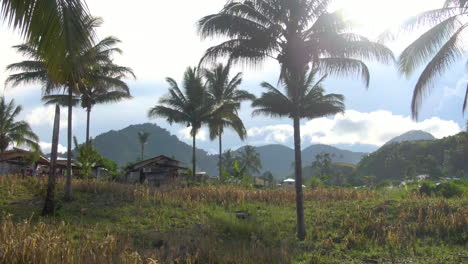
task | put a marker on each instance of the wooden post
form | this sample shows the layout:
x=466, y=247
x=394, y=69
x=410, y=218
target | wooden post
x=49, y=205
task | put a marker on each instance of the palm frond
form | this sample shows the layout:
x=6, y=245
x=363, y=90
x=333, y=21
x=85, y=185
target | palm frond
x=426, y=45
x=345, y=67
x=450, y=52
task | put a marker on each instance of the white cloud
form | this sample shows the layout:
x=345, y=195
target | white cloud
x=184, y=134
x=455, y=94
x=353, y=127
x=44, y=116
x=274, y=133
x=46, y=147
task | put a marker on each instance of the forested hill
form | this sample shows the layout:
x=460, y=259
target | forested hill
x=399, y=161
x=123, y=147
x=413, y=135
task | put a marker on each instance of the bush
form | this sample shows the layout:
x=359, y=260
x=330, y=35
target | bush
x=428, y=188
x=315, y=182
x=449, y=190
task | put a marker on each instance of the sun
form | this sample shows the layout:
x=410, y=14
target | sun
x=372, y=17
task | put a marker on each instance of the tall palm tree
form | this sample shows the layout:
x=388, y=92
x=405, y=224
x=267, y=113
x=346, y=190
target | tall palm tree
x=225, y=92
x=104, y=86
x=14, y=132
x=143, y=139
x=300, y=35
x=48, y=24
x=436, y=49
x=192, y=106
x=77, y=69
x=306, y=102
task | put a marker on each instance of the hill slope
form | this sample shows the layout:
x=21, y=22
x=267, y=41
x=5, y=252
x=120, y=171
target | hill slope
x=123, y=146
x=407, y=159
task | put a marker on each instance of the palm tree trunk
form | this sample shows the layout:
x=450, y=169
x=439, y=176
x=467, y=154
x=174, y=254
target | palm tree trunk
x=88, y=118
x=220, y=162
x=142, y=150
x=194, y=160
x=49, y=205
x=301, y=231
x=68, y=190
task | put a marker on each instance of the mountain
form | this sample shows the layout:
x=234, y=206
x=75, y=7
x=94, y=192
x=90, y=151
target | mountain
x=123, y=147
x=413, y=135
x=401, y=160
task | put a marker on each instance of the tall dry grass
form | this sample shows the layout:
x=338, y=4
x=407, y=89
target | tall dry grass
x=223, y=195
x=39, y=243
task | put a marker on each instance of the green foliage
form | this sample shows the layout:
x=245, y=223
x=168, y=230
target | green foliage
x=88, y=157
x=406, y=160
x=315, y=182
x=15, y=132
x=428, y=188
x=449, y=190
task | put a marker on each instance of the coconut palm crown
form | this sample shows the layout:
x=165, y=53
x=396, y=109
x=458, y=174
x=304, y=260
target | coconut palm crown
x=225, y=92
x=436, y=49
x=14, y=132
x=190, y=106
x=295, y=33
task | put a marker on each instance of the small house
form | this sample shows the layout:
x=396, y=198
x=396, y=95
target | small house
x=159, y=170
x=24, y=162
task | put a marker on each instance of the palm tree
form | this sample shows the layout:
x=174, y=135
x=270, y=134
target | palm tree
x=14, y=132
x=307, y=102
x=225, y=92
x=104, y=86
x=439, y=47
x=143, y=139
x=47, y=25
x=192, y=106
x=250, y=160
x=77, y=68
x=299, y=34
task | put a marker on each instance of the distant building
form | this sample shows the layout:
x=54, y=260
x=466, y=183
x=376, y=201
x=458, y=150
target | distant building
x=289, y=183
x=19, y=161
x=159, y=170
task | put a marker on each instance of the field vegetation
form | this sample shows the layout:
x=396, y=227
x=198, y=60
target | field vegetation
x=110, y=222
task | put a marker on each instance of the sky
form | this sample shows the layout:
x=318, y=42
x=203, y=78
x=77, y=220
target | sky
x=159, y=40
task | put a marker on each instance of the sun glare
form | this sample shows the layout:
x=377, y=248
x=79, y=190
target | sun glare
x=375, y=16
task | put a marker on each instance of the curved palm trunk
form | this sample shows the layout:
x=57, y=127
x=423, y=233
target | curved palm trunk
x=220, y=161
x=68, y=189
x=194, y=167
x=88, y=118
x=49, y=205
x=301, y=232
x=142, y=150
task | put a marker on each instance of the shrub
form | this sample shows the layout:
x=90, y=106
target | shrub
x=449, y=190
x=315, y=182
x=427, y=188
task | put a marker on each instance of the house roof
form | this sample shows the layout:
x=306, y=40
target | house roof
x=289, y=180
x=17, y=153
x=159, y=160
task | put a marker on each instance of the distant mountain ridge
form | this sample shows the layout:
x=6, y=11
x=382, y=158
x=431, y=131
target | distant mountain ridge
x=413, y=135
x=122, y=146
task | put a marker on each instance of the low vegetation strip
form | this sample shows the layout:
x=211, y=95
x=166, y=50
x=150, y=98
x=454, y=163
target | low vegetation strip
x=110, y=222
